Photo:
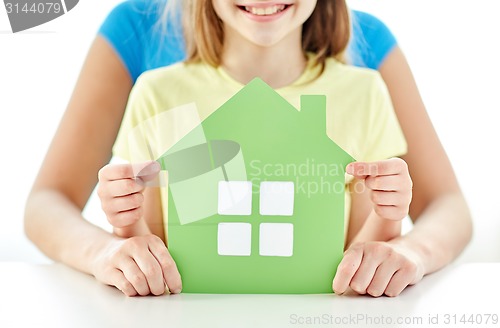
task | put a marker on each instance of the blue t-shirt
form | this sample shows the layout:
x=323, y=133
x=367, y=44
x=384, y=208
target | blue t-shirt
x=133, y=29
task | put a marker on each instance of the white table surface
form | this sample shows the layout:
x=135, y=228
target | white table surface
x=57, y=296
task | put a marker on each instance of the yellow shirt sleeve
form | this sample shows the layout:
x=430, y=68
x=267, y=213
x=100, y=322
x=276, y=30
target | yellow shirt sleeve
x=134, y=139
x=384, y=138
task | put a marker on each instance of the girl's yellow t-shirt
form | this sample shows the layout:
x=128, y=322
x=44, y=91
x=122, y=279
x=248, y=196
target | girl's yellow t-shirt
x=167, y=103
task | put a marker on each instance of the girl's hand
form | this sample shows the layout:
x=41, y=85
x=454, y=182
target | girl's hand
x=138, y=265
x=121, y=190
x=377, y=268
x=390, y=186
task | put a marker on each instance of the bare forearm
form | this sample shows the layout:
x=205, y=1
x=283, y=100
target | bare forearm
x=376, y=228
x=440, y=233
x=57, y=228
x=140, y=228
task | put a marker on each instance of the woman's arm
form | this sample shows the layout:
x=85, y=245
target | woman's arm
x=442, y=221
x=139, y=265
x=80, y=147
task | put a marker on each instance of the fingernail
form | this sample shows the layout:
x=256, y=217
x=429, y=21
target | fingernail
x=176, y=291
x=151, y=168
x=350, y=169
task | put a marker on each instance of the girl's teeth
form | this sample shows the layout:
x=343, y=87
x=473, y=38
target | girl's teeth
x=260, y=11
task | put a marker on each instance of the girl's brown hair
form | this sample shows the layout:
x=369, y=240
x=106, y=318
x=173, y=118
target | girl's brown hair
x=326, y=33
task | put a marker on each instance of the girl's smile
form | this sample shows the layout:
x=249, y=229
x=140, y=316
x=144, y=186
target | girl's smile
x=263, y=32
x=264, y=23
x=264, y=11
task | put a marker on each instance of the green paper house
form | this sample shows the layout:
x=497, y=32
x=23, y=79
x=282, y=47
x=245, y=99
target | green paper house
x=257, y=206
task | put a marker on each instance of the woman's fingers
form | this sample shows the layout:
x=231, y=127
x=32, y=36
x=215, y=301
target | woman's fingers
x=135, y=276
x=147, y=265
x=377, y=268
x=138, y=265
x=383, y=276
x=170, y=272
x=364, y=274
x=116, y=278
x=152, y=271
x=347, y=268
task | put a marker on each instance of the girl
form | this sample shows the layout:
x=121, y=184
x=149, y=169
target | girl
x=128, y=43
x=297, y=48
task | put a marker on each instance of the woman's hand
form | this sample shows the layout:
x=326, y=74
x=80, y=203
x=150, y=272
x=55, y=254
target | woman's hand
x=138, y=265
x=377, y=268
x=120, y=190
x=390, y=186
x=380, y=267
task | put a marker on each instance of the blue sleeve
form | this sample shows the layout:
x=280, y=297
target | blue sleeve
x=132, y=29
x=371, y=41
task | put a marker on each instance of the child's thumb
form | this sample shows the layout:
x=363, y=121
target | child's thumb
x=149, y=171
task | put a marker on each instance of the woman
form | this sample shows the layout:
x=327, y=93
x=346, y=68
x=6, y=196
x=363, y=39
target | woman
x=53, y=212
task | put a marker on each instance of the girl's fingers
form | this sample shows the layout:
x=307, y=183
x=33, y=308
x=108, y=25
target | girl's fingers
x=391, y=212
x=123, y=211
x=391, y=166
x=123, y=203
x=148, y=171
x=125, y=218
x=123, y=187
x=386, y=198
x=112, y=172
x=388, y=183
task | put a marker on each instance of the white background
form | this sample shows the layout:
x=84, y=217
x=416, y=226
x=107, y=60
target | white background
x=452, y=46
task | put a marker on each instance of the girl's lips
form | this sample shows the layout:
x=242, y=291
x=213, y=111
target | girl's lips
x=264, y=12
